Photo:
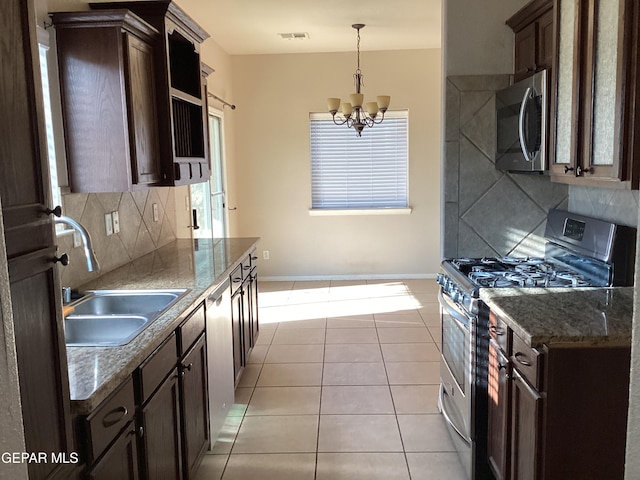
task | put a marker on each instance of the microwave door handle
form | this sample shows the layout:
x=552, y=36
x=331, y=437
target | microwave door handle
x=521, y=134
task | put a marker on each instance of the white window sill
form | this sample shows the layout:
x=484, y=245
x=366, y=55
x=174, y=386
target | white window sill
x=331, y=212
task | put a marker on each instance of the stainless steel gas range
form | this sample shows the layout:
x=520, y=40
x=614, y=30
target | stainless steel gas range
x=579, y=252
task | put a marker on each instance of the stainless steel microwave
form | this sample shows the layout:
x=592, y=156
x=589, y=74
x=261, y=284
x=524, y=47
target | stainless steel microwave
x=521, y=116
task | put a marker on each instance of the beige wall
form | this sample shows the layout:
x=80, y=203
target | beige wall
x=271, y=182
x=476, y=39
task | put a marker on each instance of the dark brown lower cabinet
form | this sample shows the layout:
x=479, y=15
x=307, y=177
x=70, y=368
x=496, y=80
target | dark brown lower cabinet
x=499, y=412
x=121, y=460
x=195, y=406
x=557, y=412
x=161, y=439
x=526, y=408
x=237, y=328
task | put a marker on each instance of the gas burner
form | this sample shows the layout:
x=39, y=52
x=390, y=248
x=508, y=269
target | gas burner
x=459, y=262
x=489, y=260
x=522, y=260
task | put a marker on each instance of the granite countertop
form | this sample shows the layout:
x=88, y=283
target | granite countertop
x=201, y=266
x=586, y=316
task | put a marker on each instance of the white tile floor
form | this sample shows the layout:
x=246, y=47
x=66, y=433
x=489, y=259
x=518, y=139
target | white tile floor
x=343, y=384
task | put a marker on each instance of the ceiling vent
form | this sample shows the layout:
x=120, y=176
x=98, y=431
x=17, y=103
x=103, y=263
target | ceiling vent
x=294, y=36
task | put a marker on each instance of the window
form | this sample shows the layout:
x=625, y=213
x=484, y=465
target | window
x=359, y=173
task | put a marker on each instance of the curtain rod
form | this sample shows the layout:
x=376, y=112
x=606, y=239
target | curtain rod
x=233, y=107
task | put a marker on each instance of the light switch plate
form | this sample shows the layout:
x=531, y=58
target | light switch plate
x=116, y=221
x=108, y=223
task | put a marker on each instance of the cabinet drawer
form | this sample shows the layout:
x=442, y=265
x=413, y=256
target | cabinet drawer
x=156, y=367
x=235, y=279
x=528, y=361
x=105, y=423
x=191, y=329
x=253, y=258
x=499, y=332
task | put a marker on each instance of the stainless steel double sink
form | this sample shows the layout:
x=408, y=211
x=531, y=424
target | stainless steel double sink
x=108, y=318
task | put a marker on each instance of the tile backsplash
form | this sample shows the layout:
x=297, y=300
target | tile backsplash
x=488, y=212
x=139, y=233
x=619, y=206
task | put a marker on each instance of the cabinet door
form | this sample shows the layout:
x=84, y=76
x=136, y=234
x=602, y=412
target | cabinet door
x=253, y=309
x=220, y=357
x=596, y=117
x=544, y=41
x=525, y=52
x=195, y=407
x=161, y=439
x=246, y=318
x=30, y=245
x=238, y=344
x=498, y=437
x=120, y=460
x=526, y=404
x=142, y=98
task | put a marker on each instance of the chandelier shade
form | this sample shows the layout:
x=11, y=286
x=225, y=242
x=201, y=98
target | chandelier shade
x=357, y=114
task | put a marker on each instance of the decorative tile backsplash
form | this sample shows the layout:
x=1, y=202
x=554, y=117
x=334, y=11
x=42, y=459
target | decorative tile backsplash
x=619, y=206
x=488, y=212
x=139, y=233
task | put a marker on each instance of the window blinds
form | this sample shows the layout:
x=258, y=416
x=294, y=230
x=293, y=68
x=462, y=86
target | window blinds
x=351, y=172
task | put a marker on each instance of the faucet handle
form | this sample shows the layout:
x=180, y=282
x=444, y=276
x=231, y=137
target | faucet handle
x=57, y=211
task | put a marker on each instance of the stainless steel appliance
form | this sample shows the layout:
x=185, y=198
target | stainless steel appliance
x=521, y=128
x=580, y=251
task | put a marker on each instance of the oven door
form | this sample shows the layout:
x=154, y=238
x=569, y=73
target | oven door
x=456, y=367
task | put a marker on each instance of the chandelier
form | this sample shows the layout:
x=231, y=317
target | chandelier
x=353, y=113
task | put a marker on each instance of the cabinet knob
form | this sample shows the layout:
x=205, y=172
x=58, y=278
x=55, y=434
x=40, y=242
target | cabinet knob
x=57, y=211
x=580, y=170
x=188, y=367
x=568, y=169
x=63, y=259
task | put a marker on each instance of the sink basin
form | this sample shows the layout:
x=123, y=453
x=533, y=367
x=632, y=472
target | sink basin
x=115, y=317
x=122, y=302
x=103, y=330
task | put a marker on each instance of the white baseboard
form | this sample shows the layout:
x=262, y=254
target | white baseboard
x=307, y=278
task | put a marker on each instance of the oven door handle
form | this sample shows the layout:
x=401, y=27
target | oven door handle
x=456, y=314
x=447, y=418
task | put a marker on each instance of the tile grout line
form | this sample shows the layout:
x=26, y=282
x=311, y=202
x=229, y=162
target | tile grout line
x=393, y=402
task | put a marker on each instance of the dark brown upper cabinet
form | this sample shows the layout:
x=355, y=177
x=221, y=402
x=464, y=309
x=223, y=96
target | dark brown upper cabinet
x=533, y=29
x=110, y=103
x=597, y=104
x=182, y=109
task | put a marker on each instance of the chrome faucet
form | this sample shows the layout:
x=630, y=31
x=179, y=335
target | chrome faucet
x=92, y=261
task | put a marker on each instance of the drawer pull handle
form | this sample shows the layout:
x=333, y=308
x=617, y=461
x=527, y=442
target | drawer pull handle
x=188, y=367
x=114, y=416
x=522, y=359
x=496, y=330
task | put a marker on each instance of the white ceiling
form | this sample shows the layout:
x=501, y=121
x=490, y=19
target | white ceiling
x=244, y=27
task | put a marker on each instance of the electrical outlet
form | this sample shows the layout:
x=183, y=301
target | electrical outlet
x=265, y=254
x=116, y=221
x=108, y=223
x=154, y=207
